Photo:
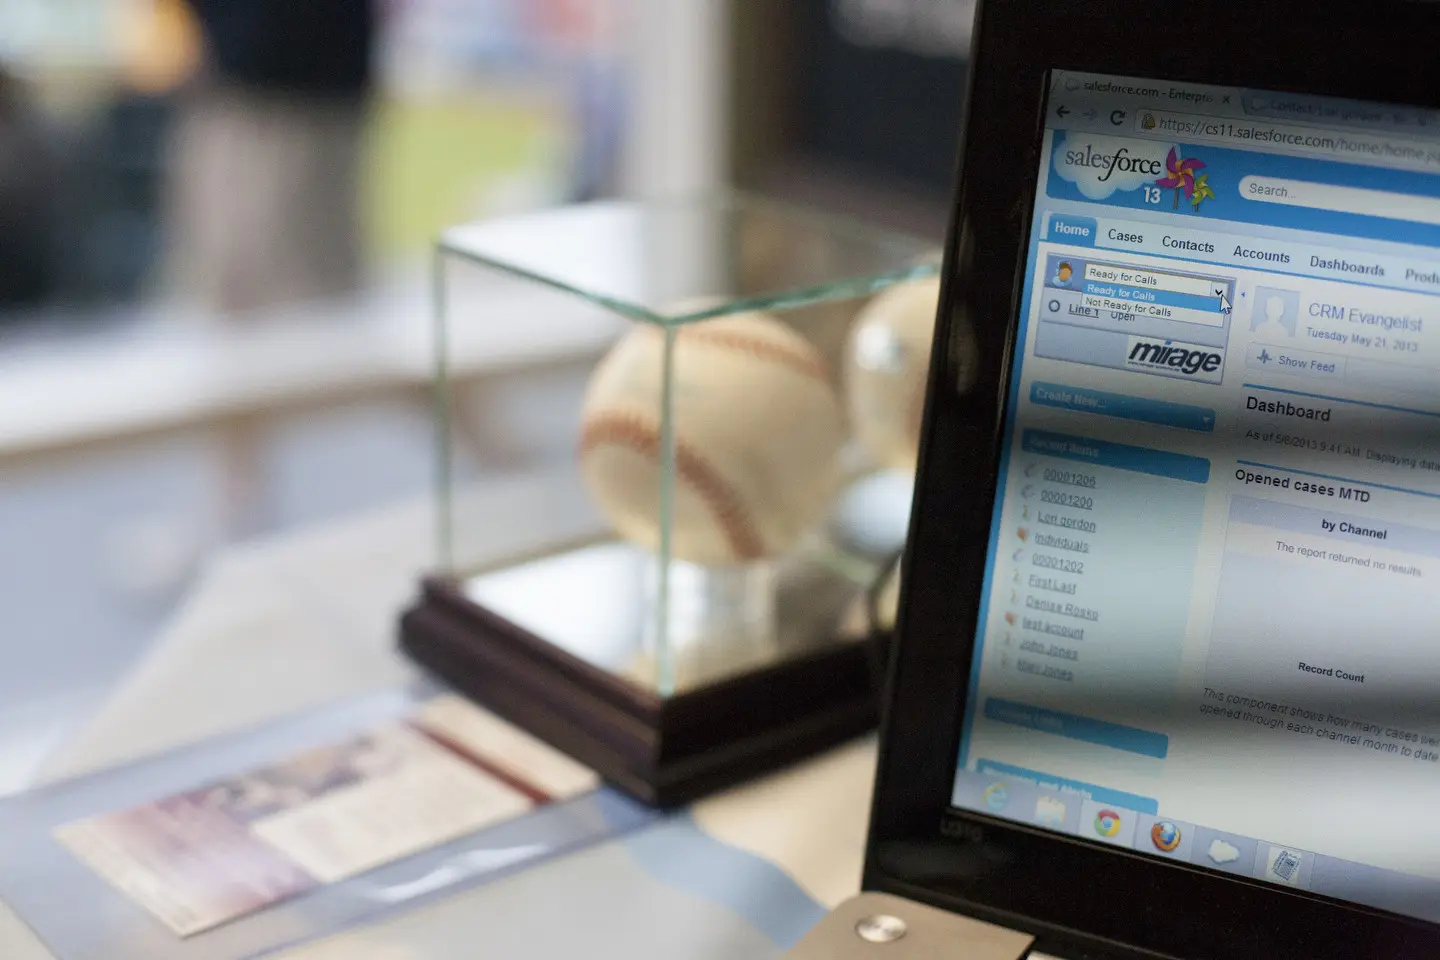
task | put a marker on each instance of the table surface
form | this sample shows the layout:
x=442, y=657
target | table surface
x=282, y=626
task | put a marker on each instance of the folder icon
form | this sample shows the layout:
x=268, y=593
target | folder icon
x=1050, y=812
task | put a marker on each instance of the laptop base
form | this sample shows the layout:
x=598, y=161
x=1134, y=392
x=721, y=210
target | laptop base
x=878, y=926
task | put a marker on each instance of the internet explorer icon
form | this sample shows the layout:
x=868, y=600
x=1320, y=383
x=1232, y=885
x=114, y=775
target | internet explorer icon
x=996, y=797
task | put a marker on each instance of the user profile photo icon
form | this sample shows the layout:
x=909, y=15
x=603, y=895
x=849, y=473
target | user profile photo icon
x=1063, y=272
x=1275, y=312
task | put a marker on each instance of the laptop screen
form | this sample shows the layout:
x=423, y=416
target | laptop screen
x=1210, y=626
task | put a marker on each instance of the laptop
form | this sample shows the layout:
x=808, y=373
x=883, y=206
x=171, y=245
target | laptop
x=1168, y=672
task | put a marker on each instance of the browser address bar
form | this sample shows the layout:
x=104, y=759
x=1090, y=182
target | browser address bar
x=1290, y=138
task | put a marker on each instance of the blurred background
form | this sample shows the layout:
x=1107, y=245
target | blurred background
x=215, y=224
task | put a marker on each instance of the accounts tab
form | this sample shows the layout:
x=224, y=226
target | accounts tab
x=1077, y=230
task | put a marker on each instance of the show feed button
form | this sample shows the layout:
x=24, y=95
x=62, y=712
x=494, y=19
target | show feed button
x=1079, y=231
x=1301, y=363
x=1123, y=407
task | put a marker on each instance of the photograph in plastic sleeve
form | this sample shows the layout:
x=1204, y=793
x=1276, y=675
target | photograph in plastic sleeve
x=201, y=858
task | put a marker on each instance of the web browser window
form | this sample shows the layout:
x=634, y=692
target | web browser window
x=1210, y=627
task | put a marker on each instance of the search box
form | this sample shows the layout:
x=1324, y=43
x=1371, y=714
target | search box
x=1327, y=196
x=1154, y=280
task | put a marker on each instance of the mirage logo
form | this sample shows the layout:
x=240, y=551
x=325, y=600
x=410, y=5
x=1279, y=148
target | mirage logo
x=1174, y=359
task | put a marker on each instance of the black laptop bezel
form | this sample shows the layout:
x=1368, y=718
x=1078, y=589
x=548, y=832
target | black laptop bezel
x=1068, y=891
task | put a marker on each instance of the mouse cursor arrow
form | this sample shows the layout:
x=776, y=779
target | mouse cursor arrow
x=1224, y=303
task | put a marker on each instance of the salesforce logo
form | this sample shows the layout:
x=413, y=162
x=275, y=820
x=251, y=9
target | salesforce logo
x=1099, y=165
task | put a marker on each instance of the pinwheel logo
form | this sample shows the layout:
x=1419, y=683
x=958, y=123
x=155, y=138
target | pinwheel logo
x=1184, y=177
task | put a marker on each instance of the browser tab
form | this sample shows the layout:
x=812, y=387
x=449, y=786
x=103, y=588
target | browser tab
x=1331, y=111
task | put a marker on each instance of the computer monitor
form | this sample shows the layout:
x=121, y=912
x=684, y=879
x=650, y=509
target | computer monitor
x=1209, y=627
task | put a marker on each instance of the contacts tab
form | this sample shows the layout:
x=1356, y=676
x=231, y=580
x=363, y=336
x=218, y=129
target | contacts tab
x=1069, y=229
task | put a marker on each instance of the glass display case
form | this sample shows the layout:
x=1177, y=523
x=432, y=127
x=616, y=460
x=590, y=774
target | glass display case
x=744, y=389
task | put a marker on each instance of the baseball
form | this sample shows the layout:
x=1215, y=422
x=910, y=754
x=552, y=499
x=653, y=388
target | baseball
x=887, y=361
x=758, y=430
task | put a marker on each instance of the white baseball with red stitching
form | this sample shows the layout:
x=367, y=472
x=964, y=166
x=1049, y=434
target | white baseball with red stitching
x=887, y=360
x=758, y=429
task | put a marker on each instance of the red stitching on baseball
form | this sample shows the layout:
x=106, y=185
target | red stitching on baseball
x=635, y=433
x=783, y=354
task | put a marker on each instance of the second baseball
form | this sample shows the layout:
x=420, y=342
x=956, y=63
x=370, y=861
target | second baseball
x=887, y=363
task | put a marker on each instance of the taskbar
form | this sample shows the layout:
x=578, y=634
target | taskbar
x=1136, y=823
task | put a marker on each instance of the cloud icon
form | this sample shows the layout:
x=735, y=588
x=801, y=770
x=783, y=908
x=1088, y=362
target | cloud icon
x=1222, y=852
x=1099, y=165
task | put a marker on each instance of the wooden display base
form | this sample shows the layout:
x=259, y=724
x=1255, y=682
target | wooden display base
x=664, y=751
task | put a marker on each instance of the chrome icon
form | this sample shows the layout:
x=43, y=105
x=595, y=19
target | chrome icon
x=1165, y=835
x=1107, y=823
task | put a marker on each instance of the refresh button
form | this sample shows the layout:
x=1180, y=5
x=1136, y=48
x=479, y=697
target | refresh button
x=1117, y=117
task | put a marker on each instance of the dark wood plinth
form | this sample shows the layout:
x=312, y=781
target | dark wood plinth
x=663, y=751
